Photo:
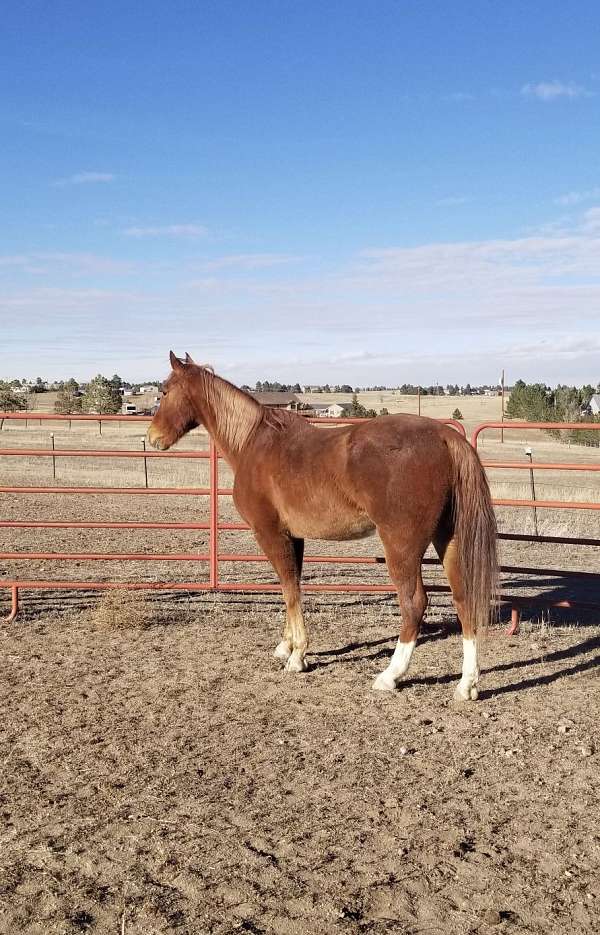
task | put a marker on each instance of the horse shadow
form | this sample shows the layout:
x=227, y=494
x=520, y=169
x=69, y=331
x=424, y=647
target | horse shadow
x=576, y=658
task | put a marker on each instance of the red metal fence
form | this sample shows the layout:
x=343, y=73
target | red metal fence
x=214, y=557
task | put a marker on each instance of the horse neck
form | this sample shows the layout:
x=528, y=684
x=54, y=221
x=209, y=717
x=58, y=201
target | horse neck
x=229, y=415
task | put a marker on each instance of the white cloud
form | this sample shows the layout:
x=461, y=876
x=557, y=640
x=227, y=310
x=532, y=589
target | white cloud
x=168, y=230
x=85, y=178
x=577, y=197
x=438, y=311
x=60, y=264
x=248, y=261
x=591, y=220
x=553, y=90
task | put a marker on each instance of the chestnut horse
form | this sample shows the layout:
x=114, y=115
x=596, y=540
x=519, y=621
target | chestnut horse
x=413, y=480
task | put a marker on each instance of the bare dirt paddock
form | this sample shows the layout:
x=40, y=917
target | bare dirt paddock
x=160, y=774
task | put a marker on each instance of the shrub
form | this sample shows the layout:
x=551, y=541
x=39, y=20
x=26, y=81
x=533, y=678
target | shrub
x=9, y=400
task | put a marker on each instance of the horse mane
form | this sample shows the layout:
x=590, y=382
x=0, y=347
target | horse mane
x=236, y=413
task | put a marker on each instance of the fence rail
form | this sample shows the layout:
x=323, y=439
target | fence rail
x=213, y=557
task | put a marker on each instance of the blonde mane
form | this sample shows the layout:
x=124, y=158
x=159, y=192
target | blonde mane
x=236, y=414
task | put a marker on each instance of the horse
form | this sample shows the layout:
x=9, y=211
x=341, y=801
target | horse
x=411, y=479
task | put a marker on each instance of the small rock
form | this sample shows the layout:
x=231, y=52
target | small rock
x=492, y=917
x=562, y=728
x=586, y=750
x=403, y=751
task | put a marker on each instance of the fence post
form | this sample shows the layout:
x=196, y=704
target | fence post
x=143, y=440
x=214, y=517
x=529, y=454
x=14, y=609
x=515, y=622
x=53, y=456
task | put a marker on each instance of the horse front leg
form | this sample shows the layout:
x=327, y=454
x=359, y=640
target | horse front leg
x=285, y=554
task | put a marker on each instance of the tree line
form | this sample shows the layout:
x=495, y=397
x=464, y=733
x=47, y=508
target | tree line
x=100, y=395
x=536, y=402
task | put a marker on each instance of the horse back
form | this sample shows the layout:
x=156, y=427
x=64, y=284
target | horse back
x=342, y=482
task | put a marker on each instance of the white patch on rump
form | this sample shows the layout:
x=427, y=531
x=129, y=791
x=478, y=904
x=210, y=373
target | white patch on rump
x=398, y=666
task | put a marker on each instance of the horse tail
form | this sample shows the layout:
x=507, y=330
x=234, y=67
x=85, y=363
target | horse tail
x=474, y=524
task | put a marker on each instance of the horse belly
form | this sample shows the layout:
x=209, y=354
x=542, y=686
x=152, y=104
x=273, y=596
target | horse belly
x=329, y=525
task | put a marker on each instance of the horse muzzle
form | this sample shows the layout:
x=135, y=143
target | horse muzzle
x=155, y=439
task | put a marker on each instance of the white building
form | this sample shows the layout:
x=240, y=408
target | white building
x=338, y=410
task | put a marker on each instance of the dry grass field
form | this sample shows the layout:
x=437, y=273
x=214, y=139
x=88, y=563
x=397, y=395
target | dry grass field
x=475, y=409
x=160, y=773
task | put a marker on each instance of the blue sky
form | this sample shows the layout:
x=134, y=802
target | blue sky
x=360, y=192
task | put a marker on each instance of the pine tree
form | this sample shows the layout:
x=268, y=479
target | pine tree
x=101, y=397
x=68, y=401
x=9, y=400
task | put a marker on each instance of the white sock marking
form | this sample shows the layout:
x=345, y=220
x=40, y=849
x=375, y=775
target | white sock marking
x=283, y=651
x=397, y=667
x=470, y=671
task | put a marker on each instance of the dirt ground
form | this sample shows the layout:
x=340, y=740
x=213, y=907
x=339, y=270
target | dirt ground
x=161, y=774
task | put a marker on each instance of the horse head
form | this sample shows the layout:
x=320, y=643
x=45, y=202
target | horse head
x=177, y=412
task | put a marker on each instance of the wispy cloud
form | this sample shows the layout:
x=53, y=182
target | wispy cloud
x=576, y=198
x=591, y=220
x=62, y=263
x=441, y=310
x=85, y=178
x=554, y=90
x=168, y=230
x=248, y=261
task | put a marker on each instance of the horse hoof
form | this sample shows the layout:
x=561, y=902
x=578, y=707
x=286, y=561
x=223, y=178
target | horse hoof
x=466, y=694
x=296, y=664
x=282, y=652
x=383, y=684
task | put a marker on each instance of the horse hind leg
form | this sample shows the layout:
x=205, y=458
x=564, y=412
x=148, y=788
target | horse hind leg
x=446, y=547
x=412, y=601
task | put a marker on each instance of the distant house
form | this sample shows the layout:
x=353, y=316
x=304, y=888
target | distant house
x=149, y=388
x=277, y=400
x=594, y=404
x=338, y=410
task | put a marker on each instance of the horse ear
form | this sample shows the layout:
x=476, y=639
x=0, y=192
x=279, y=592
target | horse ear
x=176, y=364
x=188, y=359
